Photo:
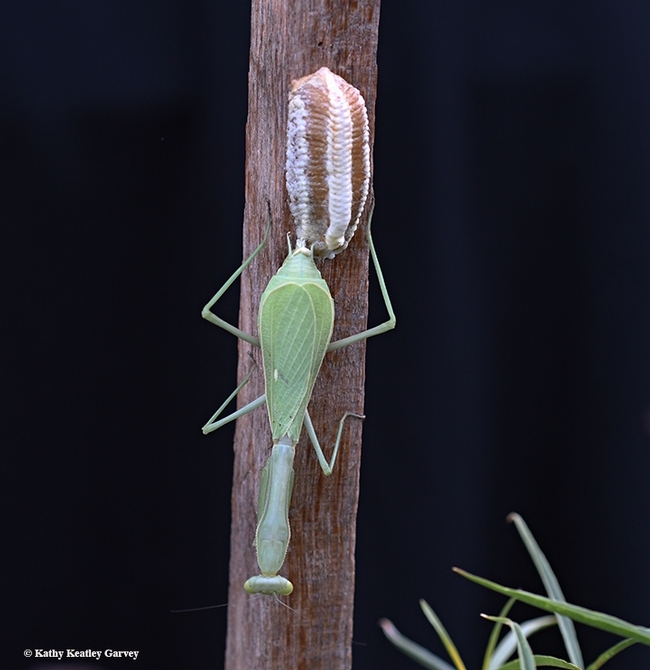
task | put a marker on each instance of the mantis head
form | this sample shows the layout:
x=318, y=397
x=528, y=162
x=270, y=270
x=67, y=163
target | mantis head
x=268, y=586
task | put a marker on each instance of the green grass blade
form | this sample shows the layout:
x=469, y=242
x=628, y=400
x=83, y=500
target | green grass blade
x=610, y=653
x=526, y=660
x=507, y=646
x=542, y=662
x=553, y=590
x=443, y=635
x=413, y=650
x=494, y=637
x=599, y=620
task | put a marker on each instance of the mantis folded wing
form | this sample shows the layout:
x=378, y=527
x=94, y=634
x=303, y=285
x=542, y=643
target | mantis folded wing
x=295, y=323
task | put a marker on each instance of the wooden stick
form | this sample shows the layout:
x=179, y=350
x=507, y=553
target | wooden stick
x=290, y=40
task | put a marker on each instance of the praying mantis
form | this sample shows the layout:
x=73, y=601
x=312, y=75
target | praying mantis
x=328, y=181
x=295, y=322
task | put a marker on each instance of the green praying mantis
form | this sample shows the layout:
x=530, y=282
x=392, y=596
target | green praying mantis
x=295, y=321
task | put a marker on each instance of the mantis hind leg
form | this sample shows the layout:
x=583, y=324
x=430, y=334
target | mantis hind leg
x=325, y=466
x=208, y=315
x=382, y=327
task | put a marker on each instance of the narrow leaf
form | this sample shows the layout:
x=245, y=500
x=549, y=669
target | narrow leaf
x=541, y=662
x=610, y=653
x=508, y=645
x=526, y=660
x=553, y=590
x=494, y=637
x=413, y=650
x=599, y=620
x=443, y=635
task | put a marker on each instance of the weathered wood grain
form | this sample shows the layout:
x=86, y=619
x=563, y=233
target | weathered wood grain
x=290, y=40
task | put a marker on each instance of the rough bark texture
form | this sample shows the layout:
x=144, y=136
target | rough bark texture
x=290, y=40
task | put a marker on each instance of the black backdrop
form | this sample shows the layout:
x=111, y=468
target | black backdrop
x=512, y=168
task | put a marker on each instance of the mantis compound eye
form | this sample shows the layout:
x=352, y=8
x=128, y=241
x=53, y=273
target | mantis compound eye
x=328, y=160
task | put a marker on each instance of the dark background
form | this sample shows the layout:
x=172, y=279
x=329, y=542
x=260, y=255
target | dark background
x=512, y=174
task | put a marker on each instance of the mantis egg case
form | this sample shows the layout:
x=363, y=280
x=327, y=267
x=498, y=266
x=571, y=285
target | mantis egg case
x=328, y=161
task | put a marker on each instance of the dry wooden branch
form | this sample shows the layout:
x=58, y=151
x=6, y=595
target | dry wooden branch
x=290, y=40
